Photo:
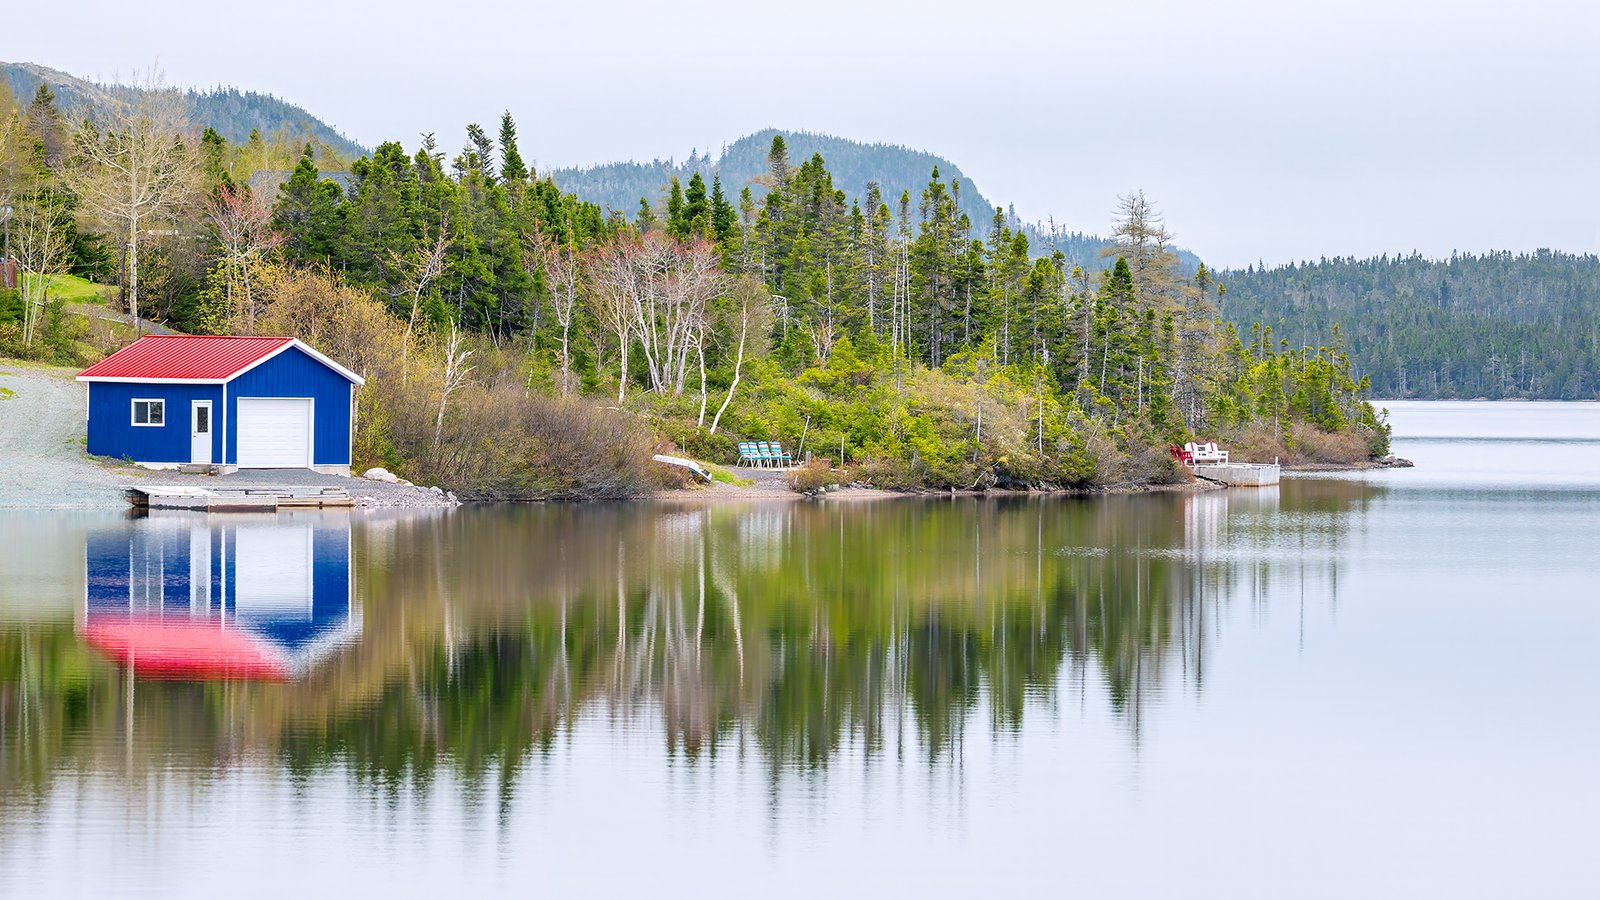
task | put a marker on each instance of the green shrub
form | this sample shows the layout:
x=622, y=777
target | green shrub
x=815, y=474
x=891, y=473
x=500, y=443
x=58, y=341
x=699, y=443
x=10, y=307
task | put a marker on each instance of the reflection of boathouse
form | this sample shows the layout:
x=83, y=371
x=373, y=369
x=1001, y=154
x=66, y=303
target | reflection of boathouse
x=188, y=595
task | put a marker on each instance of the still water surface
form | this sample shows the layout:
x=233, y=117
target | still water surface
x=1379, y=684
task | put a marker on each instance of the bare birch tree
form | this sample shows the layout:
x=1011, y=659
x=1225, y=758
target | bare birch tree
x=563, y=275
x=39, y=243
x=243, y=223
x=456, y=371
x=700, y=352
x=751, y=297
x=423, y=268
x=612, y=308
x=137, y=165
x=662, y=286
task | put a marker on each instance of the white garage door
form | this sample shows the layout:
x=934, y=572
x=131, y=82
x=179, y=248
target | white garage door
x=274, y=433
x=272, y=571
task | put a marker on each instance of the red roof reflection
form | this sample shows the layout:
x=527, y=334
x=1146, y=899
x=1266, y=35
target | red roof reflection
x=186, y=649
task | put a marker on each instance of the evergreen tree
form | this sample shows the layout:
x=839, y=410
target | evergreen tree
x=383, y=216
x=308, y=213
x=677, y=224
x=44, y=124
x=724, y=219
x=477, y=155
x=512, y=170
x=214, y=163
x=696, y=208
x=778, y=162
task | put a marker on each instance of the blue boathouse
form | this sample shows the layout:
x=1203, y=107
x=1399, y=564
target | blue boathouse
x=232, y=402
x=185, y=595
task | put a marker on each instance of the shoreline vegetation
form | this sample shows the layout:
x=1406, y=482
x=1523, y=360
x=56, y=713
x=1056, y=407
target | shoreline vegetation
x=519, y=343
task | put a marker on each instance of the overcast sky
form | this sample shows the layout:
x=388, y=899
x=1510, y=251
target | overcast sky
x=1265, y=130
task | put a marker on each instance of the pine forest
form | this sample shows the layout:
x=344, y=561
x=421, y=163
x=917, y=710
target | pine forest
x=519, y=342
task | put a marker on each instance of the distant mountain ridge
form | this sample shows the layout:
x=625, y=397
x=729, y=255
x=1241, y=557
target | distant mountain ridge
x=620, y=185
x=894, y=167
x=232, y=112
x=616, y=185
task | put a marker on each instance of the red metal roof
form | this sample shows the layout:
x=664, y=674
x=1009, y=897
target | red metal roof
x=185, y=357
x=188, y=649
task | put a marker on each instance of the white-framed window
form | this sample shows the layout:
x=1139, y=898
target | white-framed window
x=149, y=413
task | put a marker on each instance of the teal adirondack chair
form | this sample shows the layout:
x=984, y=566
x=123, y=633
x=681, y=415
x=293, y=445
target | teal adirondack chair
x=776, y=454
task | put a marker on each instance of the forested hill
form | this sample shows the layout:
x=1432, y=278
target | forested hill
x=620, y=185
x=895, y=168
x=232, y=112
x=1499, y=325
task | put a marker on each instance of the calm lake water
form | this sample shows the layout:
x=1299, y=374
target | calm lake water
x=1371, y=685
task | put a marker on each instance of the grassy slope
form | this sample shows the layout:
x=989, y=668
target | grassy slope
x=89, y=321
x=73, y=289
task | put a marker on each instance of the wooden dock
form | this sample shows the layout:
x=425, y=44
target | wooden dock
x=1240, y=474
x=263, y=499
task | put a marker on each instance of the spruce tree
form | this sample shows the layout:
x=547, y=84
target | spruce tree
x=778, y=162
x=696, y=210
x=677, y=225
x=214, y=165
x=309, y=213
x=478, y=155
x=45, y=125
x=512, y=169
x=723, y=216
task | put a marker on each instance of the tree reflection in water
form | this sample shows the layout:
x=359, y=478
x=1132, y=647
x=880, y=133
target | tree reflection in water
x=785, y=630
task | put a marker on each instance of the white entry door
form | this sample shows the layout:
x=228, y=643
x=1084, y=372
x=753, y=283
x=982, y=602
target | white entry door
x=275, y=432
x=200, y=432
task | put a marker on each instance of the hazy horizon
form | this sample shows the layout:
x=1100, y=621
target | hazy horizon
x=1264, y=133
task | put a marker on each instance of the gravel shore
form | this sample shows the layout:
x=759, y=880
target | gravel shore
x=43, y=464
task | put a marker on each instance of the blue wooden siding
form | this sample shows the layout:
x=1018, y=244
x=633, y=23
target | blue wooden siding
x=141, y=567
x=112, y=432
x=295, y=373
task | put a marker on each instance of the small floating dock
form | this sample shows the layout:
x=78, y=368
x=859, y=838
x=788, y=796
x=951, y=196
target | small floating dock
x=267, y=499
x=1240, y=474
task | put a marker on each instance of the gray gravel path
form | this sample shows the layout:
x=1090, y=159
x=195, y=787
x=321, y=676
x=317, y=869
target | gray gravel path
x=43, y=464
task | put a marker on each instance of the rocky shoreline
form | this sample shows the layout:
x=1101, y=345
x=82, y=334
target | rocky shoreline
x=421, y=496
x=1388, y=462
x=860, y=491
